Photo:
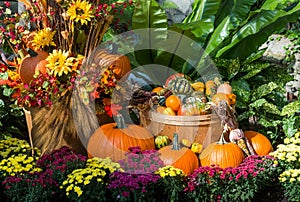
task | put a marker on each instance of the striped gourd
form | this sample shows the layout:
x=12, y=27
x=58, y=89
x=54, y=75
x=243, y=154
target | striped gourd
x=181, y=86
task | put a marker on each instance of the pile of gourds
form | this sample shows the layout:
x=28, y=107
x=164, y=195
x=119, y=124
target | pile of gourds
x=183, y=97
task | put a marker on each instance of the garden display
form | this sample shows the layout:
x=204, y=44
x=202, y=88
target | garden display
x=119, y=101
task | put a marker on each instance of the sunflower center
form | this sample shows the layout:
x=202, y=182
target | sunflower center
x=79, y=11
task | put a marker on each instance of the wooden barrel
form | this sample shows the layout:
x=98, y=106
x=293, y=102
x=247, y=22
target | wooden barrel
x=203, y=129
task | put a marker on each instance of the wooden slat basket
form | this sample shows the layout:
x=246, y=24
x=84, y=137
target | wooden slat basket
x=203, y=129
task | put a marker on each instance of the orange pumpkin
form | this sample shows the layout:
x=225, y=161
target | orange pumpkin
x=260, y=143
x=120, y=64
x=219, y=97
x=221, y=153
x=182, y=158
x=35, y=61
x=173, y=101
x=113, y=140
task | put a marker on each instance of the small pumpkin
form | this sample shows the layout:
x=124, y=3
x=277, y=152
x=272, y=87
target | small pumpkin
x=34, y=61
x=120, y=64
x=186, y=143
x=210, y=88
x=169, y=111
x=180, y=86
x=160, y=109
x=173, y=77
x=260, y=143
x=161, y=141
x=113, y=139
x=196, y=147
x=182, y=158
x=224, y=88
x=174, y=102
x=221, y=153
x=219, y=97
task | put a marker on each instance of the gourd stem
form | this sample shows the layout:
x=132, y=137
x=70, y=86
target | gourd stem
x=176, y=145
x=31, y=52
x=120, y=121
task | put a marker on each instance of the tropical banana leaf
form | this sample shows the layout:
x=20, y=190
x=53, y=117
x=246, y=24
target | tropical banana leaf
x=203, y=10
x=238, y=13
x=258, y=29
x=148, y=15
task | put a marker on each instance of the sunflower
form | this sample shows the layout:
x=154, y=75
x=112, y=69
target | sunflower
x=80, y=11
x=43, y=38
x=59, y=62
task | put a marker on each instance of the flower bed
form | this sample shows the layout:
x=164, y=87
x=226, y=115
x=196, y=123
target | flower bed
x=66, y=176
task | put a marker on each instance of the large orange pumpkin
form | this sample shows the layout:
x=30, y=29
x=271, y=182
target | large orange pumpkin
x=221, y=153
x=182, y=158
x=260, y=143
x=114, y=139
x=120, y=64
x=35, y=61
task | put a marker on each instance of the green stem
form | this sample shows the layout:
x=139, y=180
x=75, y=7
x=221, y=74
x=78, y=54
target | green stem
x=31, y=52
x=176, y=145
x=120, y=121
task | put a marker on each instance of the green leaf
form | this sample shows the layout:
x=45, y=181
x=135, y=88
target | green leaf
x=255, y=69
x=290, y=109
x=2, y=103
x=203, y=10
x=45, y=84
x=238, y=13
x=4, y=76
x=7, y=91
x=271, y=108
x=242, y=90
x=256, y=31
x=263, y=90
x=258, y=103
x=150, y=16
x=290, y=125
x=245, y=115
x=269, y=122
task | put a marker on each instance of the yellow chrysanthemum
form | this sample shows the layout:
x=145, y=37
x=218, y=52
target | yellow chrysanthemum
x=43, y=38
x=80, y=11
x=59, y=62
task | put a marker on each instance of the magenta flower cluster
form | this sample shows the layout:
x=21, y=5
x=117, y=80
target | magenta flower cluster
x=231, y=183
x=138, y=161
x=64, y=160
x=44, y=185
x=132, y=187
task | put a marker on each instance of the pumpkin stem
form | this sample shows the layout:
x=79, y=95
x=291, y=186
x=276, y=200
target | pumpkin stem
x=222, y=139
x=176, y=145
x=120, y=121
x=31, y=52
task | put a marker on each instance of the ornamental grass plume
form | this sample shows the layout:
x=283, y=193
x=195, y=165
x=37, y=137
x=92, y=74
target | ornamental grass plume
x=90, y=183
